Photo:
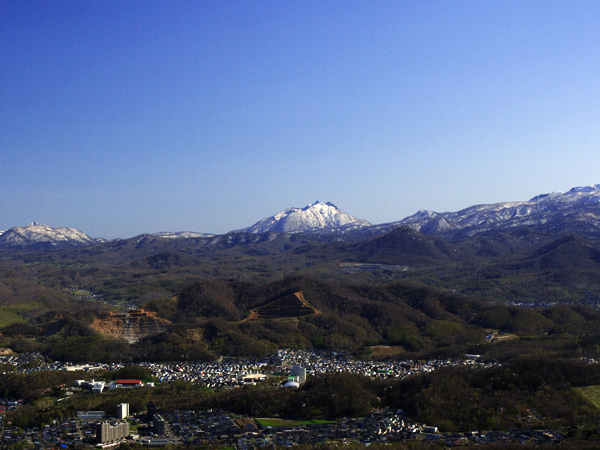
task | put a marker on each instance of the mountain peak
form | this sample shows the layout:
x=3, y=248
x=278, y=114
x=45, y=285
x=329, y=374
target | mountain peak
x=585, y=189
x=323, y=207
x=317, y=203
x=36, y=235
x=315, y=217
x=573, y=193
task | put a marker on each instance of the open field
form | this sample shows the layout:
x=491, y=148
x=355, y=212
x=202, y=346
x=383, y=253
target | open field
x=10, y=314
x=591, y=393
x=383, y=351
x=274, y=422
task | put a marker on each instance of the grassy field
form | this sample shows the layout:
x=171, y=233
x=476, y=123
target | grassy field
x=591, y=393
x=17, y=313
x=289, y=423
x=383, y=351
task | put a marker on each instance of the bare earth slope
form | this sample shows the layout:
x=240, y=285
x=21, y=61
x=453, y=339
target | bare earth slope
x=131, y=326
x=294, y=305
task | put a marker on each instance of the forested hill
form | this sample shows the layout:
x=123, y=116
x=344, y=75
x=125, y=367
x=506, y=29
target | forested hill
x=211, y=318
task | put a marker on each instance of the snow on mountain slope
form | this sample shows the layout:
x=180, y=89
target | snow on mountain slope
x=37, y=235
x=181, y=235
x=574, y=211
x=318, y=216
x=579, y=208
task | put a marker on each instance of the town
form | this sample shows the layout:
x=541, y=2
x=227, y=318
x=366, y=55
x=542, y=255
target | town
x=106, y=429
x=232, y=372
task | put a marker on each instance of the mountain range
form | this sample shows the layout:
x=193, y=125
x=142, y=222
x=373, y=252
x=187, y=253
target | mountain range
x=577, y=210
x=558, y=213
x=353, y=275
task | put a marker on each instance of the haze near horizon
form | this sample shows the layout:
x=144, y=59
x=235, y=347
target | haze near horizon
x=120, y=118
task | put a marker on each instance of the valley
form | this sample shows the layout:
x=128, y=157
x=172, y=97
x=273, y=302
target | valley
x=345, y=283
x=496, y=282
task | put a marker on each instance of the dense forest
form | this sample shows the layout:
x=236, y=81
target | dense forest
x=211, y=318
x=523, y=301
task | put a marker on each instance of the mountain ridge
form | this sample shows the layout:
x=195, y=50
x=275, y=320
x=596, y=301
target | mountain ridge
x=38, y=236
x=574, y=211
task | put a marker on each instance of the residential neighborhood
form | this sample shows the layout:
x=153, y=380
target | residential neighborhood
x=108, y=428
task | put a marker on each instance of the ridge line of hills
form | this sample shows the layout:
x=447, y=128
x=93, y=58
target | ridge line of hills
x=371, y=285
x=559, y=213
x=553, y=261
x=495, y=282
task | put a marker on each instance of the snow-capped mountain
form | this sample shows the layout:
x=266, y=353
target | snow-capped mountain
x=575, y=211
x=36, y=235
x=316, y=217
x=557, y=213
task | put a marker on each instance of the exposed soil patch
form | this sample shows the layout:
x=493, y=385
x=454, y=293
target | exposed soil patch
x=294, y=305
x=131, y=326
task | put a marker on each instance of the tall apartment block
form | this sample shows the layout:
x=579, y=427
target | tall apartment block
x=300, y=372
x=122, y=411
x=106, y=432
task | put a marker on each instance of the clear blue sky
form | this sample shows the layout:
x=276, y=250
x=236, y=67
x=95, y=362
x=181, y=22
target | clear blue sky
x=125, y=117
